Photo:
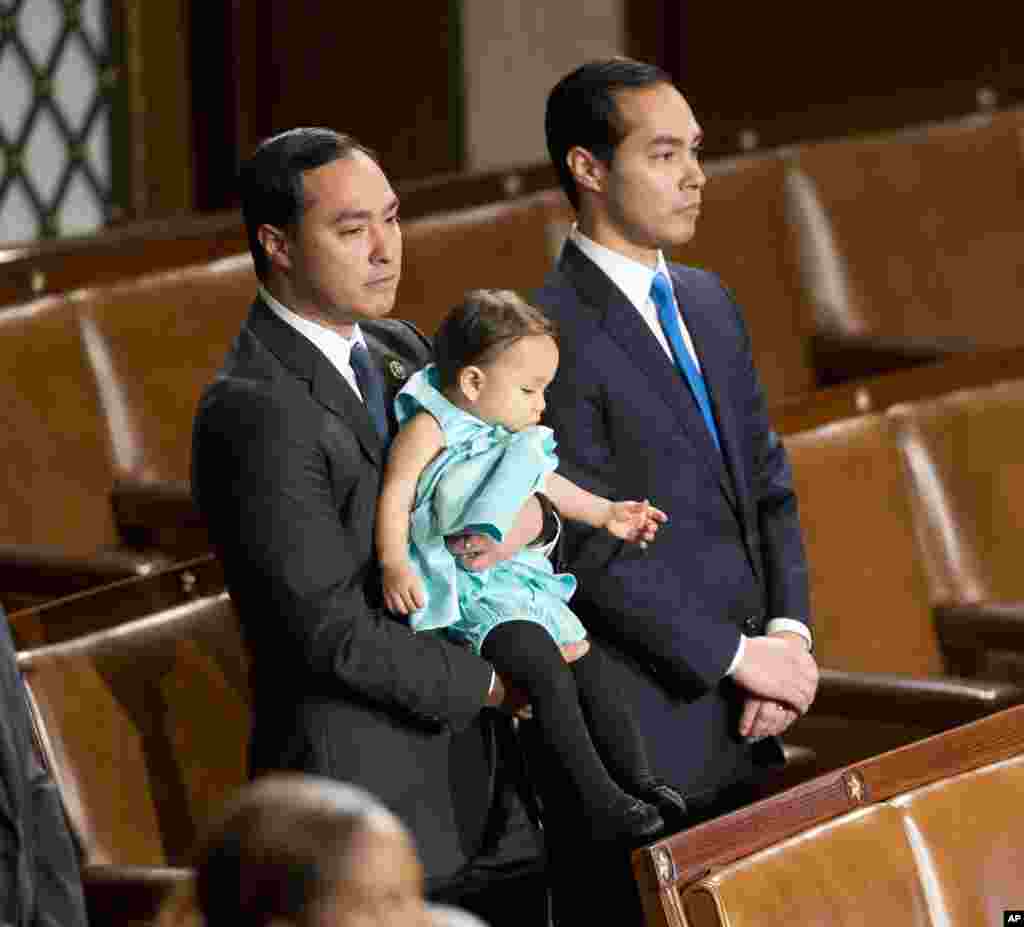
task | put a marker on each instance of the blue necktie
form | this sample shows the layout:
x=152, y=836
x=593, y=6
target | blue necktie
x=369, y=381
x=661, y=296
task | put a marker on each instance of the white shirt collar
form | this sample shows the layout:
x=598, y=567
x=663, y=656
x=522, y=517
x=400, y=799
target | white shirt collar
x=334, y=346
x=635, y=279
x=632, y=277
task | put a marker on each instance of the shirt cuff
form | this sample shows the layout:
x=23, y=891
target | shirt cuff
x=789, y=624
x=739, y=656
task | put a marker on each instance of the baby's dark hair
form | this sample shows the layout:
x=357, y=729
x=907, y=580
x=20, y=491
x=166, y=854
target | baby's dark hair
x=483, y=325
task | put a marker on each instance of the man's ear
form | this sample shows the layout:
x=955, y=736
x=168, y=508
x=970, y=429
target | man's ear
x=275, y=246
x=471, y=382
x=588, y=171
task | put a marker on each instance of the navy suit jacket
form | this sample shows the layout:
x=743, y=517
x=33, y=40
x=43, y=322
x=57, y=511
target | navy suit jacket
x=730, y=557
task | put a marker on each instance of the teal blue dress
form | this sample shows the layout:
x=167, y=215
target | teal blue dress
x=478, y=483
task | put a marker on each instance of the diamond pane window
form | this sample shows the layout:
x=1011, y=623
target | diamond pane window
x=54, y=117
x=44, y=157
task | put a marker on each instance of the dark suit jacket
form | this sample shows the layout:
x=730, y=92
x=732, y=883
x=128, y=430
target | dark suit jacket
x=40, y=884
x=730, y=557
x=286, y=470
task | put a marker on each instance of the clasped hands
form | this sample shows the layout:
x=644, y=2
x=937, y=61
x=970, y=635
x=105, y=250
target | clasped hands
x=780, y=678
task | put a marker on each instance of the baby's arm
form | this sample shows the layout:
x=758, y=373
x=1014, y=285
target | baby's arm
x=632, y=521
x=416, y=444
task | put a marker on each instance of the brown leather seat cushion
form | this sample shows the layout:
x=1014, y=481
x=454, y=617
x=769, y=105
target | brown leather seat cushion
x=145, y=728
x=744, y=237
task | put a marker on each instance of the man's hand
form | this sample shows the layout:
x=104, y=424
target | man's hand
x=765, y=718
x=480, y=552
x=778, y=667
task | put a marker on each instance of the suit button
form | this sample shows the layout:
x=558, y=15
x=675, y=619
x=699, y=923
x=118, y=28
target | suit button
x=752, y=626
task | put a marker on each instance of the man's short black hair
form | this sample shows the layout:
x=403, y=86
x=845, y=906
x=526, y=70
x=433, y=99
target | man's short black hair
x=581, y=110
x=270, y=181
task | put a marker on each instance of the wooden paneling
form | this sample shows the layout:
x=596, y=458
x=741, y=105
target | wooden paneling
x=381, y=72
x=155, y=126
x=804, y=70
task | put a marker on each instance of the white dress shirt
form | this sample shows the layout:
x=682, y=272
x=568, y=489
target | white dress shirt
x=635, y=279
x=335, y=347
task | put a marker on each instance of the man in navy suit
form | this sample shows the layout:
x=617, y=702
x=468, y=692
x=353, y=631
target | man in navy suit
x=656, y=397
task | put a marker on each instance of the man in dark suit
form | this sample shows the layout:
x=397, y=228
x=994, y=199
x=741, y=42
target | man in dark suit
x=288, y=451
x=656, y=397
x=40, y=885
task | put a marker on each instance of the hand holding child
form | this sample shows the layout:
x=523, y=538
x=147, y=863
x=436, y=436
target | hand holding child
x=403, y=590
x=634, y=521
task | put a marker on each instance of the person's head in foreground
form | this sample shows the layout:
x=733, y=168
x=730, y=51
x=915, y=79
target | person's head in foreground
x=303, y=851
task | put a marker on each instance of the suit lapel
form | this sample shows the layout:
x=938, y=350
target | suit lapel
x=627, y=328
x=327, y=386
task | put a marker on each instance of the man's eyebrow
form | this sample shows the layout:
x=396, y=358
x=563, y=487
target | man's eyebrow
x=676, y=141
x=361, y=215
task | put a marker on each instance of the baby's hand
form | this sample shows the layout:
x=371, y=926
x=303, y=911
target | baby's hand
x=403, y=591
x=635, y=521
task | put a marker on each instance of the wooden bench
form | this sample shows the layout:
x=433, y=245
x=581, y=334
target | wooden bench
x=925, y=835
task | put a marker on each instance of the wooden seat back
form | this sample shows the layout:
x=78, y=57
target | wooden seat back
x=920, y=231
x=162, y=338
x=510, y=245
x=145, y=728
x=921, y=835
x=57, y=458
x=965, y=459
x=869, y=593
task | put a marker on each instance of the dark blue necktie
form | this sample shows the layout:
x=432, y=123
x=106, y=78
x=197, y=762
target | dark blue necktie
x=661, y=296
x=370, y=385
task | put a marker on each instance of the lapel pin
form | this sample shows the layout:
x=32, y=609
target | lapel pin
x=396, y=370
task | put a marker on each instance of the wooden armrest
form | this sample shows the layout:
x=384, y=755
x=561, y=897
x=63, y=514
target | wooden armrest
x=982, y=624
x=159, y=515
x=119, y=896
x=104, y=606
x=942, y=702
x=839, y=356
x=29, y=574
x=857, y=715
x=983, y=638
